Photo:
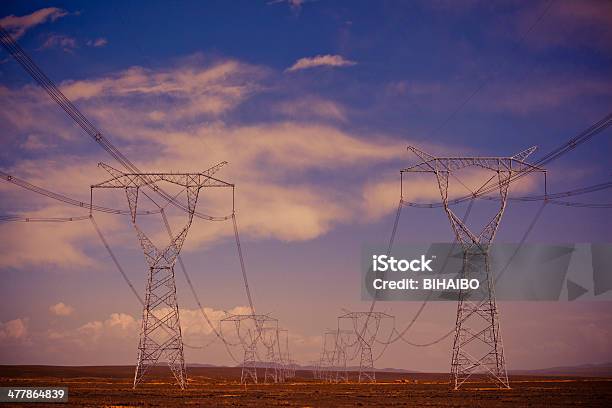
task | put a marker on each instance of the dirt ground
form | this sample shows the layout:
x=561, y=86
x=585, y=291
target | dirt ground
x=111, y=387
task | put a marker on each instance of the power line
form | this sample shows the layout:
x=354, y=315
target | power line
x=65, y=199
x=583, y=137
x=550, y=197
x=483, y=83
x=71, y=110
x=12, y=218
x=554, y=154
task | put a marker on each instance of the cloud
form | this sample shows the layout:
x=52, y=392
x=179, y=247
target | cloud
x=16, y=329
x=61, y=309
x=40, y=243
x=55, y=244
x=117, y=327
x=381, y=197
x=190, y=90
x=320, y=61
x=194, y=326
x=66, y=43
x=116, y=322
x=98, y=42
x=34, y=142
x=312, y=108
x=291, y=175
x=18, y=25
x=414, y=88
x=296, y=5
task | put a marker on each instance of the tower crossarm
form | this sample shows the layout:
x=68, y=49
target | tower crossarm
x=257, y=317
x=356, y=315
x=187, y=180
x=449, y=164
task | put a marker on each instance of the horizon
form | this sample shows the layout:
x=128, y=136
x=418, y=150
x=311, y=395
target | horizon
x=313, y=105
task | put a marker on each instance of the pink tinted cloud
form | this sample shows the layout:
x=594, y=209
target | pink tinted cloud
x=321, y=61
x=66, y=43
x=18, y=25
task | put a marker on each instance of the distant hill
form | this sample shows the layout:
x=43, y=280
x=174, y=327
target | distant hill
x=583, y=370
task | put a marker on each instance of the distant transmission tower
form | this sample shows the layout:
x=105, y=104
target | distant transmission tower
x=477, y=348
x=160, y=335
x=345, y=340
x=253, y=330
x=285, y=357
x=328, y=353
x=273, y=367
x=366, y=326
x=335, y=359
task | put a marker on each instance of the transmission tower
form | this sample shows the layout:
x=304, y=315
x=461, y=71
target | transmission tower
x=287, y=368
x=316, y=369
x=160, y=335
x=273, y=366
x=345, y=341
x=366, y=326
x=251, y=330
x=477, y=347
x=327, y=360
x=333, y=358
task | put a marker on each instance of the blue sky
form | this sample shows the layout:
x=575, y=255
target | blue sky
x=313, y=104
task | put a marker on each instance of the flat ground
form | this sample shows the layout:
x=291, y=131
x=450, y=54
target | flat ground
x=111, y=386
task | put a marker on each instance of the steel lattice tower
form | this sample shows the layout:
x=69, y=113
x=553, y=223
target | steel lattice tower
x=160, y=335
x=273, y=367
x=477, y=347
x=329, y=356
x=365, y=339
x=250, y=337
x=339, y=358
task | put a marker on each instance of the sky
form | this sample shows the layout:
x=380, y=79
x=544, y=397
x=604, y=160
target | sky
x=313, y=104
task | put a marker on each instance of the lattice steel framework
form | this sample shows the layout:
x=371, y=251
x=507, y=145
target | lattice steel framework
x=253, y=336
x=366, y=335
x=477, y=346
x=285, y=358
x=327, y=360
x=273, y=364
x=334, y=361
x=160, y=335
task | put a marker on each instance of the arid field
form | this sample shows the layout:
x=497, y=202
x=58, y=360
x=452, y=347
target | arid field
x=111, y=387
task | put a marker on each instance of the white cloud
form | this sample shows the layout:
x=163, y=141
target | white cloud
x=34, y=142
x=16, y=329
x=312, y=108
x=382, y=196
x=186, y=91
x=276, y=165
x=194, y=326
x=296, y=5
x=18, y=25
x=320, y=61
x=61, y=309
x=39, y=243
x=98, y=42
x=66, y=43
x=118, y=321
x=117, y=325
